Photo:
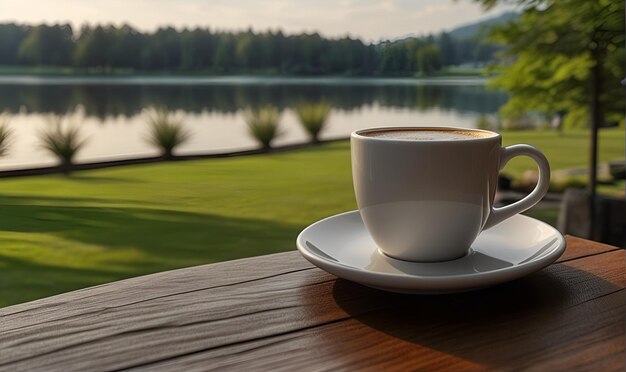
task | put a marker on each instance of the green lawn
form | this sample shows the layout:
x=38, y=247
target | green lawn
x=565, y=150
x=460, y=71
x=59, y=233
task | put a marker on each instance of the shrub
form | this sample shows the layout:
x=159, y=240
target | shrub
x=166, y=132
x=313, y=117
x=6, y=134
x=263, y=125
x=62, y=141
x=486, y=122
x=560, y=185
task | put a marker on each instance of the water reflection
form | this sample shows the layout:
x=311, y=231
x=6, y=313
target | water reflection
x=111, y=111
x=103, y=101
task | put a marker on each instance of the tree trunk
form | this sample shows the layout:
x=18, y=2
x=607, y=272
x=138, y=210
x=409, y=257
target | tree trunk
x=66, y=167
x=596, y=123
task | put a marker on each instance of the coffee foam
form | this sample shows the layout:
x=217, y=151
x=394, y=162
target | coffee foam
x=427, y=134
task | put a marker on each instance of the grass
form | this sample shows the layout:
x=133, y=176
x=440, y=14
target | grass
x=59, y=233
x=567, y=150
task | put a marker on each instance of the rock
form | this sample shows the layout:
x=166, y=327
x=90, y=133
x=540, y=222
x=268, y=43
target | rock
x=609, y=217
x=567, y=173
x=617, y=169
x=574, y=213
x=604, y=172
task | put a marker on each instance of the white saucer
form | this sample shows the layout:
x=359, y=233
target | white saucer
x=512, y=249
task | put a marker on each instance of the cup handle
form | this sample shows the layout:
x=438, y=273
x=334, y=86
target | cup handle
x=507, y=153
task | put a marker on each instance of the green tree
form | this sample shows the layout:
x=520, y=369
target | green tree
x=168, y=46
x=224, y=59
x=567, y=56
x=447, y=45
x=94, y=47
x=47, y=45
x=11, y=36
x=394, y=58
x=105, y=47
x=246, y=53
x=429, y=59
x=126, y=47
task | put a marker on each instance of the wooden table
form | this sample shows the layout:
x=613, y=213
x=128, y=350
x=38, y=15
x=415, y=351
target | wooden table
x=279, y=311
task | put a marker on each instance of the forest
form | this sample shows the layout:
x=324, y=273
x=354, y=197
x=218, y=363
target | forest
x=108, y=48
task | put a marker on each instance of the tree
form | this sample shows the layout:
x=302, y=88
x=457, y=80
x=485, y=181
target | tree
x=48, y=45
x=246, y=50
x=126, y=48
x=447, y=45
x=561, y=55
x=11, y=36
x=565, y=56
x=105, y=47
x=167, y=47
x=94, y=47
x=395, y=58
x=429, y=59
x=224, y=59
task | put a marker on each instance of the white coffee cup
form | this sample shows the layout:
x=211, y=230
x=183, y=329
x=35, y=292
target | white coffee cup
x=425, y=193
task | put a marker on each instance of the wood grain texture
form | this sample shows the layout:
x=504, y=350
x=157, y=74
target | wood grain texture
x=279, y=312
x=577, y=248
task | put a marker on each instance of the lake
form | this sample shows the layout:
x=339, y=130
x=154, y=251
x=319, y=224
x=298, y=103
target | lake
x=111, y=111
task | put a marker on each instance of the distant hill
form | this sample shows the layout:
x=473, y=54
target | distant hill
x=473, y=29
x=465, y=46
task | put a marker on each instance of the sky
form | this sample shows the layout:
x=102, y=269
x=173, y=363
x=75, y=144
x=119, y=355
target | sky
x=370, y=20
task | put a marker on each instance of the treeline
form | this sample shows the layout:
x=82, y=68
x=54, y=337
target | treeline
x=107, y=48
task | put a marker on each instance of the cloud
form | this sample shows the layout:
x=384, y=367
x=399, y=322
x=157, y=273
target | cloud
x=368, y=19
